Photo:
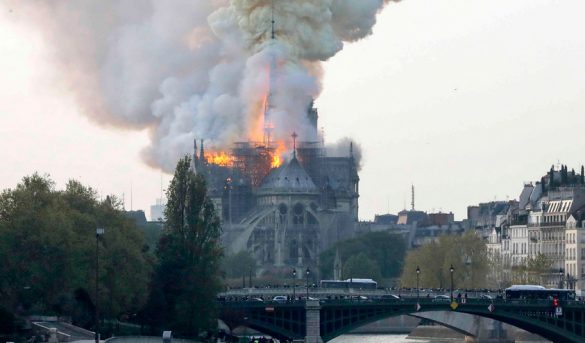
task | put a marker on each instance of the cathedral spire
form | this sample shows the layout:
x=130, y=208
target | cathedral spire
x=272, y=36
x=268, y=127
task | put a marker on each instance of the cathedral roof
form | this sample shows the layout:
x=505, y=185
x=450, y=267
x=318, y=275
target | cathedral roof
x=289, y=178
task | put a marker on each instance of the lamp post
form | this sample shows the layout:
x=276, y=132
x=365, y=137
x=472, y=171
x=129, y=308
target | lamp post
x=98, y=232
x=451, y=270
x=417, y=288
x=294, y=284
x=308, y=272
x=569, y=281
x=561, y=273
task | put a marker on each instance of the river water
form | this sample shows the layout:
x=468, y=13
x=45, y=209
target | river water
x=376, y=339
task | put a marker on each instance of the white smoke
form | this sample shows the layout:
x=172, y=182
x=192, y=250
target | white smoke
x=189, y=69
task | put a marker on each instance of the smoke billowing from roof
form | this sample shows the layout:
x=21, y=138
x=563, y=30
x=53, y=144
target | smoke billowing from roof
x=186, y=69
x=342, y=148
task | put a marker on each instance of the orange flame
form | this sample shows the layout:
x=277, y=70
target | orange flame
x=220, y=158
x=277, y=157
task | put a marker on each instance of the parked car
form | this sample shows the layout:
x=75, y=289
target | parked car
x=280, y=299
x=485, y=297
x=393, y=297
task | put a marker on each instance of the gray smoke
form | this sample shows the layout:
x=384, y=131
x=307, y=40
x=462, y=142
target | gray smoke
x=341, y=148
x=184, y=69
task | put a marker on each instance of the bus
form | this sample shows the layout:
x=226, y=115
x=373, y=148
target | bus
x=534, y=292
x=349, y=283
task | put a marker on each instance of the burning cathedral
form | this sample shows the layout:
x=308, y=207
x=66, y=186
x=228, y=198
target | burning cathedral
x=224, y=71
x=280, y=194
x=284, y=211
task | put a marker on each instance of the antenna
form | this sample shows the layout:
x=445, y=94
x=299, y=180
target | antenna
x=412, y=197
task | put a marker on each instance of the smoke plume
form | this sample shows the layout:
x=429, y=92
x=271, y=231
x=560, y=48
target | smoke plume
x=187, y=69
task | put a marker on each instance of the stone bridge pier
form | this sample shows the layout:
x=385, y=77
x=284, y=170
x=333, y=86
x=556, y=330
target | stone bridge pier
x=313, y=326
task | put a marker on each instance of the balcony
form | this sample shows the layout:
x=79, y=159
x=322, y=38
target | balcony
x=549, y=224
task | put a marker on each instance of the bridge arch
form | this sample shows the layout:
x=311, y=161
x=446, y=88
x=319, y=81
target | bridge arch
x=340, y=317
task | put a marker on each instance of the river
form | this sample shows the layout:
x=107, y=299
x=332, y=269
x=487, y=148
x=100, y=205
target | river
x=376, y=339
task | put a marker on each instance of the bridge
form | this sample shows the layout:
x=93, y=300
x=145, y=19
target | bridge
x=316, y=321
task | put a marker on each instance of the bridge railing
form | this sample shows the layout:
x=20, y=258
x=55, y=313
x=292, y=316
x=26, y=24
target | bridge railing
x=407, y=300
x=318, y=292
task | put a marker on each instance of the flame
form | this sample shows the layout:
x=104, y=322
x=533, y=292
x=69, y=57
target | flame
x=221, y=158
x=257, y=135
x=276, y=161
x=276, y=158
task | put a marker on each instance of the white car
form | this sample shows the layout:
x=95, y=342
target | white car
x=442, y=298
x=280, y=299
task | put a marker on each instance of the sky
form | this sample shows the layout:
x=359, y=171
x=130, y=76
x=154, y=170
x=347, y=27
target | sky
x=464, y=99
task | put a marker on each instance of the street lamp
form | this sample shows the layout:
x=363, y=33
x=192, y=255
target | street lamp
x=569, y=281
x=451, y=270
x=294, y=277
x=98, y=232
x=308, y=273
x=417, y=288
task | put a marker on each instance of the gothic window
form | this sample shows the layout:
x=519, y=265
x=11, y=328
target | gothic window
x=282, y=211
x=298, y=214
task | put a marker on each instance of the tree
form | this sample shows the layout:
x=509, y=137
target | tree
x=385, y=249
x=467, y=254
x=360, y=266
x=47, y=252
x=187, y=276
x=536, y=267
